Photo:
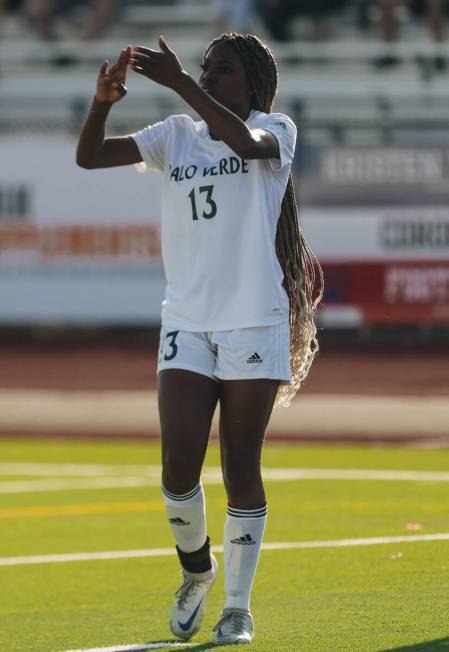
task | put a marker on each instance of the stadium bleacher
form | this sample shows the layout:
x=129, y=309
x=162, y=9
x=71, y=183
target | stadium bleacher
x=333, y=87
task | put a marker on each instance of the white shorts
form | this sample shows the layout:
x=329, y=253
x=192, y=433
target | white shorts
x=262, y=352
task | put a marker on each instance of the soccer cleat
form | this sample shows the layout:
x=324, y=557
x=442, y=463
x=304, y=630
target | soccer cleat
x=234, y=626
x=188, y=609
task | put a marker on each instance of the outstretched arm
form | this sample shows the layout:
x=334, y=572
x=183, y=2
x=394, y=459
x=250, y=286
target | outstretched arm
x=164, y=67
x=94, y=150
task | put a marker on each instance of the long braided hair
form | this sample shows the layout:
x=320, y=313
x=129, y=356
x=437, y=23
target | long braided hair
x=303, y=276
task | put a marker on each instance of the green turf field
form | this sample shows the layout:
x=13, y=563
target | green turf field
x=329, y=596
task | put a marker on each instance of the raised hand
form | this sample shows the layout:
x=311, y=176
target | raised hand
x=111, y=80
x=161, y=66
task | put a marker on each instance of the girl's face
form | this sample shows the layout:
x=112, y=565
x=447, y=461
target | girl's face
x=224, y=79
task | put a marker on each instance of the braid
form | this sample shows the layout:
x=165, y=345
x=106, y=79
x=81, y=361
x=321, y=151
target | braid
x=300, y=267
x=302, y=271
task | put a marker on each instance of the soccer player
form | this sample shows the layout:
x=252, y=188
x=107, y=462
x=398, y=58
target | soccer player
x=238, y=316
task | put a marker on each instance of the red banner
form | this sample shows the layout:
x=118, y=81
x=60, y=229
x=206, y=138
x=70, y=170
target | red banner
x=389, y=292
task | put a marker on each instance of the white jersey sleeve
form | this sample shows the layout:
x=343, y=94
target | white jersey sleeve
x=284, y=130
x=152, y=144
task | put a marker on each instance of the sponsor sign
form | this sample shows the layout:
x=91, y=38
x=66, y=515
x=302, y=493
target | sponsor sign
x=30, y=242
x=387, y=292
x=76, y=245
x=373, y=175
x=382, y=266
x=40, y=182
x=358, y=233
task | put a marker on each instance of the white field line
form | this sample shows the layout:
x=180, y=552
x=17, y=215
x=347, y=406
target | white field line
x=136, y=647
x=76, y=470
x=154, y=471
x=161, y=552
x=113, y=477
x=31, y=486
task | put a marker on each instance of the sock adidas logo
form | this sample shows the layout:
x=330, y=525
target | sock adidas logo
x=246, y=540
x=177, y=521
x=255, y=357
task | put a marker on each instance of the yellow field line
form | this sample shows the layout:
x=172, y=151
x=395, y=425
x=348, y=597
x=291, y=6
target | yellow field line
x=89, y=508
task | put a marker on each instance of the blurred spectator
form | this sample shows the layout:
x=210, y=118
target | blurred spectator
x=6, y=7
x=277, y=15
x=435, y=10
x=42, y=14
x=232, y=15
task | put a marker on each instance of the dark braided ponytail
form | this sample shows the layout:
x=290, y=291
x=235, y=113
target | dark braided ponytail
x=301, y=268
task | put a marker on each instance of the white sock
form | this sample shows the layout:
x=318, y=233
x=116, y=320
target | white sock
x=243, y=534
x=187, y=517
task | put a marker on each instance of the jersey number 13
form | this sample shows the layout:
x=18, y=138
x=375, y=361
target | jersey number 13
x=209, y=205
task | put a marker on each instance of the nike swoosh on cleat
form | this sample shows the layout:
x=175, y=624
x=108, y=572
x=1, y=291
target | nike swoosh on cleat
x=188, y=624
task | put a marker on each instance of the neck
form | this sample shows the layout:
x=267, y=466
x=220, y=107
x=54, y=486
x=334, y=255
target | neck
x=243, y=113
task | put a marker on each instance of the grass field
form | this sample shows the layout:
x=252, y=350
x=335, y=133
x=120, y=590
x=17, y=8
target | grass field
x=367, y=580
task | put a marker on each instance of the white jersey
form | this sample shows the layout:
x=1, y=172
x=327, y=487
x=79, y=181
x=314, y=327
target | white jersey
x=219, y=218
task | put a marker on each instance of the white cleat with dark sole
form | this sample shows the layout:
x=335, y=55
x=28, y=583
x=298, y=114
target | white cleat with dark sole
x=188, y=609
x=234, y=626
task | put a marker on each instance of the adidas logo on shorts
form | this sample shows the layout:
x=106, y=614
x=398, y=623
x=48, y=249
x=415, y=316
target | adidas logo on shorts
x=246, y=540
x=255, y=357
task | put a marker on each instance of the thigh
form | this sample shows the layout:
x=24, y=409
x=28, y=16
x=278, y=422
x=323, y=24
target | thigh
x=245, y=410
x=187, y=402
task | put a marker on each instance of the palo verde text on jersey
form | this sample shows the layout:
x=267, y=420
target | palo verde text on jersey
x=230, y=165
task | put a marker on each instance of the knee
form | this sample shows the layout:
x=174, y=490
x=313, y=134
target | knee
x=243, y=485
x=179, y=473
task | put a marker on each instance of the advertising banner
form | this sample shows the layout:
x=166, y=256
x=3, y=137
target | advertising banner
x=76, y=245
x=378, y=219
x=81, y=246
x=372, y=175
x=385, y=233
x=386, y=293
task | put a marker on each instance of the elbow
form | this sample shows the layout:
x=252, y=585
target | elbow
x=248, y=150
x=86, y=165
x=84, y=161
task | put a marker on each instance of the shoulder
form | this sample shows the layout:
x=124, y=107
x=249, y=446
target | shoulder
x=182, y=122
x=282, y=127
x=283, y=121
x=172, y=123
x=272, y=120
x=183, y=126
